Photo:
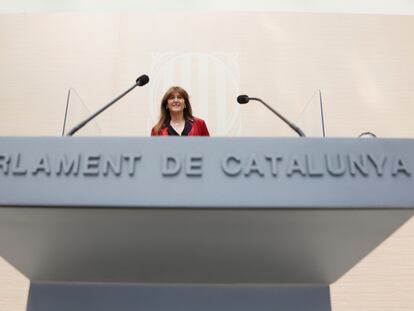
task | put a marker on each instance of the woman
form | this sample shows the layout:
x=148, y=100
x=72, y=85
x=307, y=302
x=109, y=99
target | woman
x=177, y=116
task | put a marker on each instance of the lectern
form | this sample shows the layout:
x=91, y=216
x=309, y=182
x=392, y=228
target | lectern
x=196, y=223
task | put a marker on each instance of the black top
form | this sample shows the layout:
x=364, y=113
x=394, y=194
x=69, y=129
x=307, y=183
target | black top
x=187, y=128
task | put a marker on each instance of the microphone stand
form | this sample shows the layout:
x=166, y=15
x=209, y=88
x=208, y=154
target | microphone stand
x=291, y=125
x=139, y=82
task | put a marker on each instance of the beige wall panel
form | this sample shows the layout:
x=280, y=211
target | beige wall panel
x=14, y=288
x=384, y=280
x=363, y=65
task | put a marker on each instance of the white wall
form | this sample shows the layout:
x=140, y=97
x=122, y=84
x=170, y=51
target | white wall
x=349, y=6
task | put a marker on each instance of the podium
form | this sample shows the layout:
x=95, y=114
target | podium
x=196, y=223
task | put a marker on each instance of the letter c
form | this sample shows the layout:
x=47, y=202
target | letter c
x=231, y=169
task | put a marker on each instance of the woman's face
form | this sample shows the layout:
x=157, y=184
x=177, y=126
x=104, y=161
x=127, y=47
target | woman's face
x=176, y=102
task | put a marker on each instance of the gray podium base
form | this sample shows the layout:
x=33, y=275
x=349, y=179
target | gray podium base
x=120, y=221
x=133, y=297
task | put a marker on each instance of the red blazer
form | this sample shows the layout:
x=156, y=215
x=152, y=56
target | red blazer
x=196, y=128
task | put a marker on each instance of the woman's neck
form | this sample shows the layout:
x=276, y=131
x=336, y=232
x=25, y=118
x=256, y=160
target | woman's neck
x=177, y=117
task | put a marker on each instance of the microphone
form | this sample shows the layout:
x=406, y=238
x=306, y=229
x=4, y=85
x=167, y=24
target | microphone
x=140, y=81
x=244, y=99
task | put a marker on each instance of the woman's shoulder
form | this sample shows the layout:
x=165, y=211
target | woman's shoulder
x=201, y=127
x=162, y=131
x=198, y=120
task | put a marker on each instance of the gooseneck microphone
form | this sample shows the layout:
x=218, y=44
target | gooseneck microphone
x=244, y=99
x=140, y=81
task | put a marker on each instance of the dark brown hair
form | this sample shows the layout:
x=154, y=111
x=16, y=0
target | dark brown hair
x=165, y=116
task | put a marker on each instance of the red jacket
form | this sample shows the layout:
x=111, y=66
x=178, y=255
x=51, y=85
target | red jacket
x=196, y=128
